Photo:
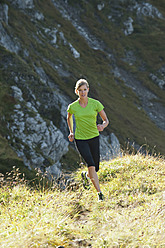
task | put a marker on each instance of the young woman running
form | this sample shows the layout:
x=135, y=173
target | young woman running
x=86, y=135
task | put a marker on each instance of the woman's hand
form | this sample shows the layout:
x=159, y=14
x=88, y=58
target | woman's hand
x=100, y=127
x=71, y=137
x=105, y=123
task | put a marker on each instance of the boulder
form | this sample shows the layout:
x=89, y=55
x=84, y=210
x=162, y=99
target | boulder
x=39, y=141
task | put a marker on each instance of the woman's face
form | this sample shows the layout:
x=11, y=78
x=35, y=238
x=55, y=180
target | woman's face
x=82, y=92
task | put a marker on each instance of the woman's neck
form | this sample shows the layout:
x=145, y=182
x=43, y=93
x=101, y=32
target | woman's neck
x=83, y=102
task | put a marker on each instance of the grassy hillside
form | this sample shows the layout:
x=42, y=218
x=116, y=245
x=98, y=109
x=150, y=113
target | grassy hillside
x=132, y=214
x=127, y=121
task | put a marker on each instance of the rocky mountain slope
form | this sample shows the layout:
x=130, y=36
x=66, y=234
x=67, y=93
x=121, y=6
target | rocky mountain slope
x=46, y=46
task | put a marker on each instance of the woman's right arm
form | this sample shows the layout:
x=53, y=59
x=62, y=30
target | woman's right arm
x=70, y=125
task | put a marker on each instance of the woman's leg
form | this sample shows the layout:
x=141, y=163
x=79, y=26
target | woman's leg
x=95, y=151
x=94, y=178
x=85, y=151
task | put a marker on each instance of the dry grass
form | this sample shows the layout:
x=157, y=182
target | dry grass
x=133, y=214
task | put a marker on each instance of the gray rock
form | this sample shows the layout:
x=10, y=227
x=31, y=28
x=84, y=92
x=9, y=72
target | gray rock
x=39, y=16
x=129, y=27
x=37, y=160
x=4, y=13
x=23, y=4
x=115, y=146
x=43, y=141
x=76, y=54
x=54, y=170
x=100, y=6
x=148, y=9
x=40, y=71
x=7, y=42
x=160, y=82
x=63, y=38
x=109, y=147
x=17, y=93
x=17, y=106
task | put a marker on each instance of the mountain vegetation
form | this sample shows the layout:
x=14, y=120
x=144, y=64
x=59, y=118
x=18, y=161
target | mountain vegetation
x=132, y=214
x=45, y=46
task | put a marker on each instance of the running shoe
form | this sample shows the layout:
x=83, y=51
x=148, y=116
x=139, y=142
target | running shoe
x=101, y=196
x=86, y=183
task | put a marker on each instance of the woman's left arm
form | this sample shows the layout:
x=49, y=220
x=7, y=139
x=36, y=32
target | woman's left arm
x=105, y=123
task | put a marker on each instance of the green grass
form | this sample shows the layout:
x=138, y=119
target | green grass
x=132, y=214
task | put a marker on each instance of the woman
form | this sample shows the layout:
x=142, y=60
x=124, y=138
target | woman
x=86, y=136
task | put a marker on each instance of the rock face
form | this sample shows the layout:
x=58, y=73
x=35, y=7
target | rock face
x=10, y=43
x=38, y=142
x=110, y=147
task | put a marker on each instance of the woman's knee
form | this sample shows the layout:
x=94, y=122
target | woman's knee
x=91, y=171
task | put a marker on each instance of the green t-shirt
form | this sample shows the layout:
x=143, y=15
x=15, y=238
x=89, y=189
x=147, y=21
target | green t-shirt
x=86, y=127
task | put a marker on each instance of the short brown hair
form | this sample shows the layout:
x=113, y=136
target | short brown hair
x=81, y=82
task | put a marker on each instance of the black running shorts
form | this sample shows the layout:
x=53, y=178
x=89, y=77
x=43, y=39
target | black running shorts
x=90, y=151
